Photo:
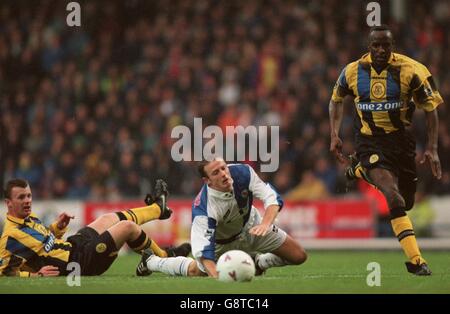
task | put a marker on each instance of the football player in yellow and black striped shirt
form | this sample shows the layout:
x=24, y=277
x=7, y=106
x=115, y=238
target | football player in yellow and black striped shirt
x=28, y=248
x=386, y=88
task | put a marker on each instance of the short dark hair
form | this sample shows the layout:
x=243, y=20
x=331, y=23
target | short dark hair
x=201, y=168
x=12, y=184
x=202, y=164
x=380, y=28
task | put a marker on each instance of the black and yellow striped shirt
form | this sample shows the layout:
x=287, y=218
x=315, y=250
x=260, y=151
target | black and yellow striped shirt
x=383, y=100
x=26, y=244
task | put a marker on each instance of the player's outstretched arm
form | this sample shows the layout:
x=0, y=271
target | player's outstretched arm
x=431, y=152
x=336, y=112
x=210, y=267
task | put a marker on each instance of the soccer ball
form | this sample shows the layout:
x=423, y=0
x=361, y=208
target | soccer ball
x=235, y=265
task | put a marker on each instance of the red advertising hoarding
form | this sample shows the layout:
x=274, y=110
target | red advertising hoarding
x=302, y=220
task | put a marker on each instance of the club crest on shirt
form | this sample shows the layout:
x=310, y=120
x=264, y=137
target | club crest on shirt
x=378, y=90
x=100, y=248
x=373, y=158
x=198, y=198
x=244, y=193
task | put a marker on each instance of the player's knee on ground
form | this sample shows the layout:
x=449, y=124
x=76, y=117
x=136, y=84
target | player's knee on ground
x=299, y=257
x=296, y=257
x=194, y=271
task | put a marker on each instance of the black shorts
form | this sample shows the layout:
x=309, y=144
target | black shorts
x=395, y=152
x=94, y=252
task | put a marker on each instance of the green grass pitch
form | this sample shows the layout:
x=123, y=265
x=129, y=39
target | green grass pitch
x=324, y=272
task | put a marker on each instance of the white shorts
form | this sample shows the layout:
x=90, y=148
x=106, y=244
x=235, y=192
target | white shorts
x=250, y=243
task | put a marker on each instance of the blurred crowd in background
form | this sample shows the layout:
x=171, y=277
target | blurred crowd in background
x=87, y=112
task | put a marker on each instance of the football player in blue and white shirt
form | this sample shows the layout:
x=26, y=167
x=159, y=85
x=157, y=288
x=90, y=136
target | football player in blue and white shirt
x=223, y=219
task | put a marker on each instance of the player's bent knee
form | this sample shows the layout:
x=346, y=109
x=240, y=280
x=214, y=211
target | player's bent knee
x=394, y=199
x=109, y=216
x=297, y=257
x=397, y=212
x=106, y=219
x=409, y=203
x=301, y=257
x=128, y=226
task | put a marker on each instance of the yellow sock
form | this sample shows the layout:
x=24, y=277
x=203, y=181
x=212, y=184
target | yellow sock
x=404, y=231
x=144, y=242
x=141, y=215
x=157, y=250
x=141, y=243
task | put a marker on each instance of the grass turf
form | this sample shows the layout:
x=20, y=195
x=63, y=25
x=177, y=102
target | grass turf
x=324, y=272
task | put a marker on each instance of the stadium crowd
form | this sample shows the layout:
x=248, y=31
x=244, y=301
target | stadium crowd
x=88, y=111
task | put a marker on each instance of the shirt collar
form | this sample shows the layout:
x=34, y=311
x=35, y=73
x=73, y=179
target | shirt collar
x=219, y=194
x=19, y=221
x=392, y=58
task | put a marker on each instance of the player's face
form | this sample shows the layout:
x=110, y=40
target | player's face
x=380, y=47
x=19, y=205
x=219, y=177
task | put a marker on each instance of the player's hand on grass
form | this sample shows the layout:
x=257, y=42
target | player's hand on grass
x=433, y=158
x=48, y=271
x=336, y=149
x=64, y=220
x=260, y=230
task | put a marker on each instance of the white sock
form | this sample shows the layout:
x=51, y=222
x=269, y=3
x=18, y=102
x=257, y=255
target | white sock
x=268, y=260
x=174, y=266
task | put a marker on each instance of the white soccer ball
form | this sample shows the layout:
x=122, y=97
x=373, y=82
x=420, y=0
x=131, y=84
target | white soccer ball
x=235, y=265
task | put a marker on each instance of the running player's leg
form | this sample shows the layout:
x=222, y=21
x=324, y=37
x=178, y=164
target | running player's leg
x=356, y=171
x=407, y=179
x=407, y=186
x=386, y=181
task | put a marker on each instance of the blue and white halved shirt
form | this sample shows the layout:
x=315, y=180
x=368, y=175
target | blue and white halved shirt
x=222, y=215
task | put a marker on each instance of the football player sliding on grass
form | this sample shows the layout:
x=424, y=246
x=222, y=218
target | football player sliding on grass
x=223, y=219
x=29, y=249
